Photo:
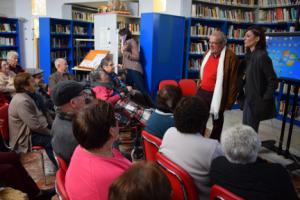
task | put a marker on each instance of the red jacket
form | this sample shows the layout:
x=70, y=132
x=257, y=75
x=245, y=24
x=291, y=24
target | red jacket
x=106, y=94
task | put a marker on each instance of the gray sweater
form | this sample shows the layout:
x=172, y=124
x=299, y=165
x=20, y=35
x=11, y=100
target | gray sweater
x=63, y=140
x=194, y=153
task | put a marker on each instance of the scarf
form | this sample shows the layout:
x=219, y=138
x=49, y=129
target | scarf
x=217, y=96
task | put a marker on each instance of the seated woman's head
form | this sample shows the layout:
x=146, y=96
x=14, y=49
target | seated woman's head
x=100, y=76
x=94, y=125
x=107, y=64
x=190, y=115
x=143, y=180
x=4, y=68
x=168, y=97
x=240, y=144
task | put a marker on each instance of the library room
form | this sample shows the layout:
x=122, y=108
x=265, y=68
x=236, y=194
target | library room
x=149, y=99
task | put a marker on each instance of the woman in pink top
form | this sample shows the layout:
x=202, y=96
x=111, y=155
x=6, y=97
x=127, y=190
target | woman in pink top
x=94, y=164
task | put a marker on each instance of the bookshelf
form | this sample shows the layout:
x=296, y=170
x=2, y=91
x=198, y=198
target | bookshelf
x=9, y=36
x=107, y=26
x=83, y=13
x=230, y=17
x=58, y=39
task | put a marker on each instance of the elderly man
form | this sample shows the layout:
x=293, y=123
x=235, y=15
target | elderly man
x=12, y=59
x=61, y=73
x=27, y=124
x=69, y=97
x=218, y=76
x=241, y=172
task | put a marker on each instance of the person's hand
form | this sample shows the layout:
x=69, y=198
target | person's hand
x=120, y=66
x=122, y=94
x=129, y=88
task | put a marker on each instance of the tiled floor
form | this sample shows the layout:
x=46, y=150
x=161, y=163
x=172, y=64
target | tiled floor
x=269, y=129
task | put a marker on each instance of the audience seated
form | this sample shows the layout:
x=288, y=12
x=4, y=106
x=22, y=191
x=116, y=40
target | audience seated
x=186, y=146
x=162, y=118
x=27, y=124
x=6, y=80
x=12, y=59
x=69, y=97
x=242, y=173
x=13, y=174
x=94, y=164
x=120, y=86
x=143, y=181
x=61, y=73
x=104, y=90
x=44, y=99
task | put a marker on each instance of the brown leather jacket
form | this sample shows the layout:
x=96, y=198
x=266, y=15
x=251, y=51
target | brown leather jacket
x=229, y=80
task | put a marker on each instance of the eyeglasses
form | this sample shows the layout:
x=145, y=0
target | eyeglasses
x=214, y=43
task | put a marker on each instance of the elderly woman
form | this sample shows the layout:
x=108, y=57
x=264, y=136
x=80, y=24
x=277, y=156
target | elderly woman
x=12, y=59
x=6, y=80
x=185, y=144
x=241, y=172
x=162, y=118
x=94, y=164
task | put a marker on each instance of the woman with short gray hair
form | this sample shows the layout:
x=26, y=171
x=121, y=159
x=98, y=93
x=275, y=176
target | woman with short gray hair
x=242, y=172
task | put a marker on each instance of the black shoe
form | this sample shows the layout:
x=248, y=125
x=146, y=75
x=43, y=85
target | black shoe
x=45, y=194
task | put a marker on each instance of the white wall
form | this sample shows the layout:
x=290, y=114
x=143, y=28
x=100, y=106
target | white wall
x=7, y=8
x=54, y=8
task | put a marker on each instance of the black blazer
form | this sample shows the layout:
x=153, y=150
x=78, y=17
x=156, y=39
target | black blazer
x=260, y=84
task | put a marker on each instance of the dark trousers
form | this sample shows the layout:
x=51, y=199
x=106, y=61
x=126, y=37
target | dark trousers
x=13, y=174
x=217, y=123
x=45, y=141
x=136, y=79
x=248, y=117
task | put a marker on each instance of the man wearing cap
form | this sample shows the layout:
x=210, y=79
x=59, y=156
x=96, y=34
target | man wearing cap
x=47, y=104
x=61, y=73
x=69, y=97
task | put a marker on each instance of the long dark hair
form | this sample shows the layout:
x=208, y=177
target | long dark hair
x=127, y=32
x=259, y=32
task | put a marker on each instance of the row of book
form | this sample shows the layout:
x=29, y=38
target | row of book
x=6, y=41
x=59, y=42
x=240, y=15
x=238, y=49
x=194, y=63
x=80, y=30
x=275, y=2
x=282, y=106
x=134, y=28
x=285, y=88
x=60, y=28
x=236, y=33
x=82, y=16
x=278, y=15
x=231, y=2
x=58, y=54
x=202, y=30
x=3, y=54
x=5, y=27
x=199, y=47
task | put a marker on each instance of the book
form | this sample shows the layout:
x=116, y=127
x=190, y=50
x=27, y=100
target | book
x=93, y=59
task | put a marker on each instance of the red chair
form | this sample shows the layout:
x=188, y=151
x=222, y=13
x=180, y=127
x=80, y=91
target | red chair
x=151, y=145
x=62, y=164
x=60, y=184
x=182, y=183
x=188, y=87
x=4, y=128
x=218, y=192
x=166, y=82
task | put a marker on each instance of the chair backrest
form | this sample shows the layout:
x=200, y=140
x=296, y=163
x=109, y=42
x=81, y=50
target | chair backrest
x=4, y=129
x=220, y=193
x=151, y=145
x=182, y=183
x=166, y=82
x=62, y=164
x=60, y=184
x=188, y=87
